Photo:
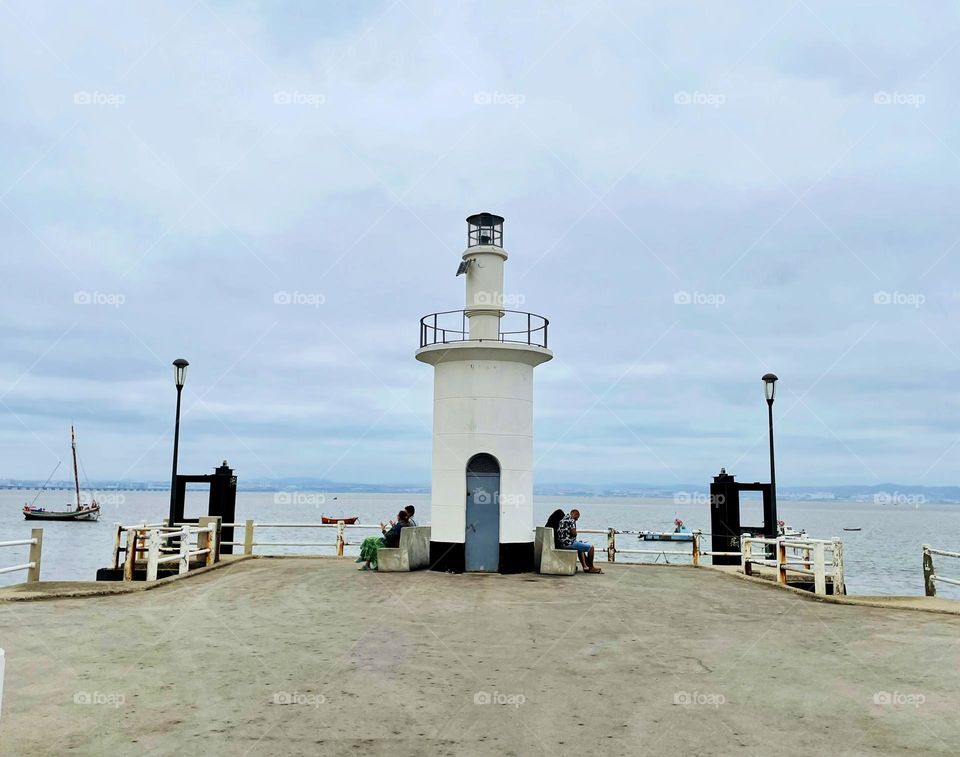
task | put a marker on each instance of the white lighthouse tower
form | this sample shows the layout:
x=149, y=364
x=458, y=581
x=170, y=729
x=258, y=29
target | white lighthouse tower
x=483, y=358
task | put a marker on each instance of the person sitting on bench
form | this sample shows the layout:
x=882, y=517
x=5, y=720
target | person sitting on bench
x=567, y=537
x=554, y=522
x=391, y=538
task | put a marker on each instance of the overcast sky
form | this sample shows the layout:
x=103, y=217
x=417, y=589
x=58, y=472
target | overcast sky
x=695, y=194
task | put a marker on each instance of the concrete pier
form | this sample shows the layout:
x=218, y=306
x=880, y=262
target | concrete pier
x=310, y=656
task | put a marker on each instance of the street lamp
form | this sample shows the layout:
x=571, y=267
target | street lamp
x=179, y=378
x=769, y=390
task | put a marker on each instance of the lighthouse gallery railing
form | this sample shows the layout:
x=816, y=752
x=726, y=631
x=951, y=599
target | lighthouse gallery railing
x=516, y=327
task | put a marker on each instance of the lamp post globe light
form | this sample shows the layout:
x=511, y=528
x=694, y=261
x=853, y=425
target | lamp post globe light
x=180, y=372
x=769, y=390
x=179, y=379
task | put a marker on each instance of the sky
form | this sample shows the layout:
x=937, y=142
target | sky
x=695, y=194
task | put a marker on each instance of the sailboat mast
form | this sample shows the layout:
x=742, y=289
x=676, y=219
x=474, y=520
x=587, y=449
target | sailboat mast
x=76, y=474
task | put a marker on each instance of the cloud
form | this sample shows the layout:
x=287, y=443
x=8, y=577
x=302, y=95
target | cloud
x=198, y=160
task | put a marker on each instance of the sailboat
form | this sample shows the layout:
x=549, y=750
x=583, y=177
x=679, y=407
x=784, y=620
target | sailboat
x=81, y=511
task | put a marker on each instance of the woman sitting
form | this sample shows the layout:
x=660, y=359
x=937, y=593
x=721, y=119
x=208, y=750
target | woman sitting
x=390, y=538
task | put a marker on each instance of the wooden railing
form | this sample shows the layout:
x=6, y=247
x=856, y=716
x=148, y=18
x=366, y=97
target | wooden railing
x=805, y=556
x=206, y=546
x=930, y=577
x=149, y=542
x=32, y=566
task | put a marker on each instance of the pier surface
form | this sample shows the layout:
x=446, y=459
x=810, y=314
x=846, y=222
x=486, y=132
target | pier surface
x=310, y=656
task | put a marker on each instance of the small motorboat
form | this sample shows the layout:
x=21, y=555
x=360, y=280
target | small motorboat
x=679, y=533
x=858, y=528
x=788, y=532
x=333, y=521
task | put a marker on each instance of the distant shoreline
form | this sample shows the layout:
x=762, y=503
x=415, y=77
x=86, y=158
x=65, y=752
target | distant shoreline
x=893, y=496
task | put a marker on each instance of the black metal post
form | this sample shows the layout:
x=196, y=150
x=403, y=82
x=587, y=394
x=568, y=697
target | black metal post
x=173, y=477
x=773, y=470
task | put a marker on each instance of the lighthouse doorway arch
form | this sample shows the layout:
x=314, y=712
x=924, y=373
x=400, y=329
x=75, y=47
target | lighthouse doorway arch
x=482, y=537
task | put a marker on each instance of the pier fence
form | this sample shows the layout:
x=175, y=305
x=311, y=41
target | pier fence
x=821, y=559
x=809, y=557
x=206, y=545
x=930, y=577
x=250, y=526
x=32, y=566
x=687, y=550
x=149, y=541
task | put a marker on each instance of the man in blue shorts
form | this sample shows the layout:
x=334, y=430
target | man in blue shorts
x=567, y=539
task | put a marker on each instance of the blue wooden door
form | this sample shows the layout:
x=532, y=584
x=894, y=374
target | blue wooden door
x=482, y=538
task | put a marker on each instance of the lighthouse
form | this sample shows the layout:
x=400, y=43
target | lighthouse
x=483, y=358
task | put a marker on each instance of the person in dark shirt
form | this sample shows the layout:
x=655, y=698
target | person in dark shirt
x=567, y=537
x=390, y=538
x=554, y=522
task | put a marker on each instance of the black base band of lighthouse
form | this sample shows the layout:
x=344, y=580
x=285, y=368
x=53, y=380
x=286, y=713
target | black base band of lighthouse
x=449, y=557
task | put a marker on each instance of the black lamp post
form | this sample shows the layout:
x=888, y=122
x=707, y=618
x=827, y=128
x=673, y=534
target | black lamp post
x=769, y=390
x=179, y=377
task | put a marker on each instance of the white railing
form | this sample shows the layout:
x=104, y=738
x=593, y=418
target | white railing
x=804, y=556
x=812, y=560
x=32, y=566
x=930, y=577
x=135, y=548
x=149, y=542
x=250, y=528
x=206, y=546
x=694, y=553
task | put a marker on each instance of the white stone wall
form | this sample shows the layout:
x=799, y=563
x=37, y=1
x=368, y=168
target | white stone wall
x=483, y=405
x=484, y=291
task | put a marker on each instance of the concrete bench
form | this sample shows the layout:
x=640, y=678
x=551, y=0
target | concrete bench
x=412, y=554
x=550, y=560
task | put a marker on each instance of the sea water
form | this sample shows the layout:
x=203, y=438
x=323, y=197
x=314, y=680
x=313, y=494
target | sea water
x=883, y=558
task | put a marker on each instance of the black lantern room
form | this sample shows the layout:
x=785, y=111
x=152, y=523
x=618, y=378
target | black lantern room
x=484, y=229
